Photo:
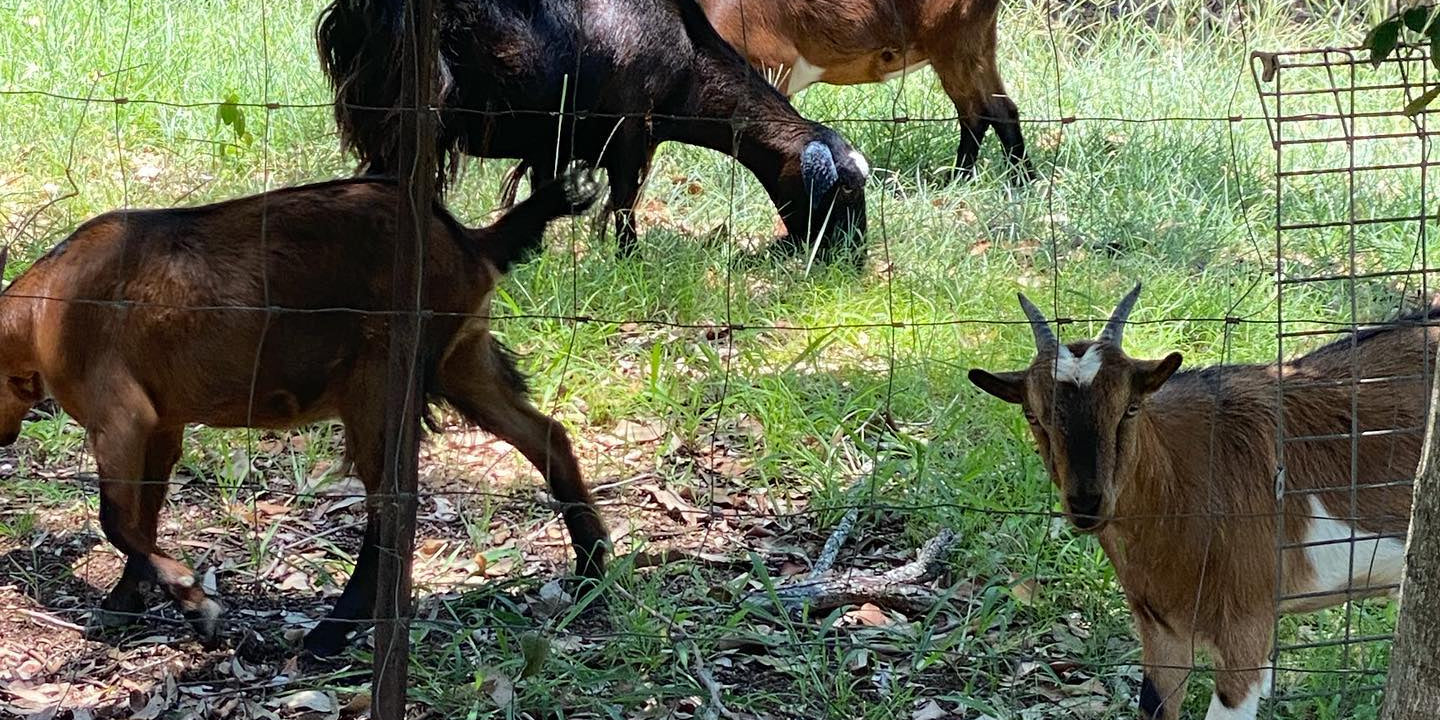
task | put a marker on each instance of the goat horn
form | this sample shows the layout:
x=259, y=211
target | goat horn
x=1045, y=339
x=1114, y=331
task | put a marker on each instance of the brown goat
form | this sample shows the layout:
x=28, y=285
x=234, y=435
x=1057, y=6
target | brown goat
x=268, y=312
x=1175, y=474
x=855, y=42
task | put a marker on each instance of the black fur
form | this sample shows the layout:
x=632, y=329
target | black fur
x=1150, y=700
x=637, y=73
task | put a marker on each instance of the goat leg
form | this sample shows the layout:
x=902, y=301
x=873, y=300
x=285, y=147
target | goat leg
x=626, y=179
x=135, y=461
x=480, y=380
x=357, y=601
x=1005, y=117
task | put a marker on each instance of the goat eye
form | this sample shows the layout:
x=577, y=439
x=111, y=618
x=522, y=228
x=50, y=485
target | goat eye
x=1030, y=418
x=1133, y=410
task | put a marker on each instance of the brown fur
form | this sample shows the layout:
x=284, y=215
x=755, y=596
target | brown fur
x=142, y=322
x=1187, y=510
x=862, y=41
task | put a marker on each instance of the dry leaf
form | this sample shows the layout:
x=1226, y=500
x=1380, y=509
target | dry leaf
x=307, y=700
x=638, y=432
x=357, y=705
x=675, y=505
x=868, y=614
x=499, y=688
x=1025, y=591
x=929, y=711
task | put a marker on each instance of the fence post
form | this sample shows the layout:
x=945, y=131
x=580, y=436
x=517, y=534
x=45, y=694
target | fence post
x=403, y=392
x=1412, y=691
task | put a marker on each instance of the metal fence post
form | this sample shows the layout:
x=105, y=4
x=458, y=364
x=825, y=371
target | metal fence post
x=404, y=393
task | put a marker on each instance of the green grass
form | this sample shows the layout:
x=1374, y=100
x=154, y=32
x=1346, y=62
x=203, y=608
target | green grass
x=1185, y=205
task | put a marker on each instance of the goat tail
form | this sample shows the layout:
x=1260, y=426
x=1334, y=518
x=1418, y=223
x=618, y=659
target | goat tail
x=510, y=185
x=360, y=44
x=520, y=232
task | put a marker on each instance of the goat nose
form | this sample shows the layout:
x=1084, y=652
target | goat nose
x=1084, y=510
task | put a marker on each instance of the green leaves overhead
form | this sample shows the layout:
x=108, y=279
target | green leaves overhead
x=1417, y=24
x=1382, y=40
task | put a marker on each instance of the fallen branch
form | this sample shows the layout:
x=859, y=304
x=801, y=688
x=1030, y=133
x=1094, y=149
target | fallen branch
x=837, y=538
x=902, y=588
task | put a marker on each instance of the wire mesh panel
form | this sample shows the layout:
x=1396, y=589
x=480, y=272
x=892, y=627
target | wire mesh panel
x=1353, y=217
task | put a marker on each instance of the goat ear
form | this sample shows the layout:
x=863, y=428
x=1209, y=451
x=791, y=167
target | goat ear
x=1008, y=386
x=1151, y=374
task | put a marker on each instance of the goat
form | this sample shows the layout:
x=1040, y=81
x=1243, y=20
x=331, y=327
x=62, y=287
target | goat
x=1175, y=475
x=144, y=321
x=855, y=42
x=623, y=75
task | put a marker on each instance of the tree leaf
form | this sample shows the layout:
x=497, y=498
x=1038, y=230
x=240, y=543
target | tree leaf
x=1418, y=18
x=1382, y=40
x=1419, y=104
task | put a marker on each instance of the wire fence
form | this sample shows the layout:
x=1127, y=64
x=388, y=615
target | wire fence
x=737, y=586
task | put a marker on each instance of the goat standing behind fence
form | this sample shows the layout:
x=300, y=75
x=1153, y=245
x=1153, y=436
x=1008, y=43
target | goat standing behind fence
x=853, y=42
x=602, y=81
x=269, y=311
x=1174, y=473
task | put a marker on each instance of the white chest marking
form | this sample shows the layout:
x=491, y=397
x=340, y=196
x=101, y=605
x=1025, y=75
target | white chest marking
x=1246, y=710
x=1363, y=564
x=803, y=75
x=1081, y=370
x=904, y=71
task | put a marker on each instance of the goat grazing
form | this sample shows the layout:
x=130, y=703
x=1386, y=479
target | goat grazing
x=1175, y=474
x=855, y=42
x=142, y=322
x=623, y=76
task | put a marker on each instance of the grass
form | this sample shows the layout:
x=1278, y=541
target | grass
x=1186, y=205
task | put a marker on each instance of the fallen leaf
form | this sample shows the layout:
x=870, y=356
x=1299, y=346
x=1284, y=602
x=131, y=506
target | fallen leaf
x=675, y=505
x=637, y=432
x=553, y=600
x=316, y=700
x=499, y=688
x=929, y=711
x=430, y=546
x=357, y=705
x=146, y=709
x=868, y=614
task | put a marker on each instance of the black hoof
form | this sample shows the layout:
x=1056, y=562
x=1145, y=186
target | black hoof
x=327, y=640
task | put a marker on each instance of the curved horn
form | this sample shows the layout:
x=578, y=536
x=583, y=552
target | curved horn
x=1045, y=339
x=1114, y=331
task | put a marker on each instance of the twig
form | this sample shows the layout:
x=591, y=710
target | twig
x=715, y=708
x=902, y=587
x=863, y=472
x=838, y=537
x=48, y=619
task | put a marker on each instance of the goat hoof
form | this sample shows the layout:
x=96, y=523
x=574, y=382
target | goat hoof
x=205, y=619
x=117, y=610
x=325, y=641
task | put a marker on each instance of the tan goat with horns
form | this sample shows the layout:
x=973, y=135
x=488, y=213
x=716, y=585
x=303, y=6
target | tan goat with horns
x=1175, y=475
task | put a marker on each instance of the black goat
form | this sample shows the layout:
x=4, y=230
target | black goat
x=625, y=75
